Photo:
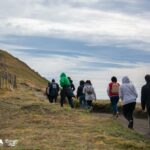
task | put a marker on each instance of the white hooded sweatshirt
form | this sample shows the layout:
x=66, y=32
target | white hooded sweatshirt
x=127, y=91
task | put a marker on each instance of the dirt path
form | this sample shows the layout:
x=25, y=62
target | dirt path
x=140, y=125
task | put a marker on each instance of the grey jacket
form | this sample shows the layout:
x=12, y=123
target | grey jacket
x=127, y=91
x=88, y=96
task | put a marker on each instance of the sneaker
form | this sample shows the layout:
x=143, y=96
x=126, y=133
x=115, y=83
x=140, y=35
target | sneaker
x=117, y=115
x=130, y=124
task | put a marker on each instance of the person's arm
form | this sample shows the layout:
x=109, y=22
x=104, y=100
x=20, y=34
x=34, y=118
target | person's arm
x=73, y=87
x=142, y=99
x=120, y=93
x=108, y=90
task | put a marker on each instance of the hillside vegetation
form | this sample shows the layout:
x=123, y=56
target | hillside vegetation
x=23, y=72
x=27, y=116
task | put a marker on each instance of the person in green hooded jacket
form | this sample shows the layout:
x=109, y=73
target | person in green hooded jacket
x=66, y=90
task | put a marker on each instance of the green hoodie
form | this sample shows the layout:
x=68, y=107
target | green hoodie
x=64, y=81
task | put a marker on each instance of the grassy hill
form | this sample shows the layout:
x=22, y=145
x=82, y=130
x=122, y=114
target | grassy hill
x=26, y=115
x=23, y=72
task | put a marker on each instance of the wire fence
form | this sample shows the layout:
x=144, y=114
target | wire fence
x=7, y=80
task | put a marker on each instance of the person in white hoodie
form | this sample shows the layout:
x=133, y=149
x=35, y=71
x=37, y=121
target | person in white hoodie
x=89, y=92
x=128, y=94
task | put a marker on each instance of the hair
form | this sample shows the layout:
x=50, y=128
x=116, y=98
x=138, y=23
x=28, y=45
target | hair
x=82, y=82
x=53, y=80
x=88, y=82
x=147, y=78
x=70, y=79
x=114, y=79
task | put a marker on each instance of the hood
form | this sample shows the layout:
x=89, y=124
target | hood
x=63, y=75
x=125, y=80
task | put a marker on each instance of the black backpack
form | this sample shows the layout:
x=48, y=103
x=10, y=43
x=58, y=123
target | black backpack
x=53, y=90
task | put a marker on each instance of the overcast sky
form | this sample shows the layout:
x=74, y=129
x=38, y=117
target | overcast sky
x=93, y=39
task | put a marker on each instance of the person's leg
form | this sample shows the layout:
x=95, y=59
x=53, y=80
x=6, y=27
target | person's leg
x=113, y=104
x=49, y=98
x=84, y=102
x=80, y=101
x=55, y=98
x=116, y=104
x=52, y=99
x=70, y=102
x=88, y=104
x=125, y=111
x=131, y=108
x=148, y=112
x=62, y=94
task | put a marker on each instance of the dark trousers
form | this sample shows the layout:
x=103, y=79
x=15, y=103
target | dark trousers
x=128, y=110
x=89, y=103
x=53, y=99
x=114, y=102
x=63, y=96
x=148, y=111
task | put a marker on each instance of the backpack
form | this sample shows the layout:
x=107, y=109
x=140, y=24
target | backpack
x=89, y=90
x=53, y=89
x=115, y=88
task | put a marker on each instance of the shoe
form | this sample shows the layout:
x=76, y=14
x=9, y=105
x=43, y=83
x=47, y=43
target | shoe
x=117, y=115
x=130, y=124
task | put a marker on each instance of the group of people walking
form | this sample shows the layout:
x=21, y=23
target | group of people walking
x=86, y=94
x=128, y=94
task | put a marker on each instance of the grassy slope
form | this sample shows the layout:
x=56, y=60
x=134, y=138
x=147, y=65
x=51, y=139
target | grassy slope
x=40, y=125
x=19, y=68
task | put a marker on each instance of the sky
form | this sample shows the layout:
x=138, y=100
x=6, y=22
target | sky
x=94, y=39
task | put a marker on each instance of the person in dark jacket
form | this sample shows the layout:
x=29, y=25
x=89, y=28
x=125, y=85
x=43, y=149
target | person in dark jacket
x=53, y=91
x=81, y=95
x=66, y=90
x=145, y=96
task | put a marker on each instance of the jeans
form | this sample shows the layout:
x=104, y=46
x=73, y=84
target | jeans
x=82, y=101
x=114, y=101
x=128, y=113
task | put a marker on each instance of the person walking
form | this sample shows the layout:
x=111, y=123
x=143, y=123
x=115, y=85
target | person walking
x=66, y=90
x=145, y=97
x=128, y=94
x=81, y=95
x=89, y=92
x=53, y=91
x=113, y=93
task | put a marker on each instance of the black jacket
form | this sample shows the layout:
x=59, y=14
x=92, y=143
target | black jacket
x=145, y=96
